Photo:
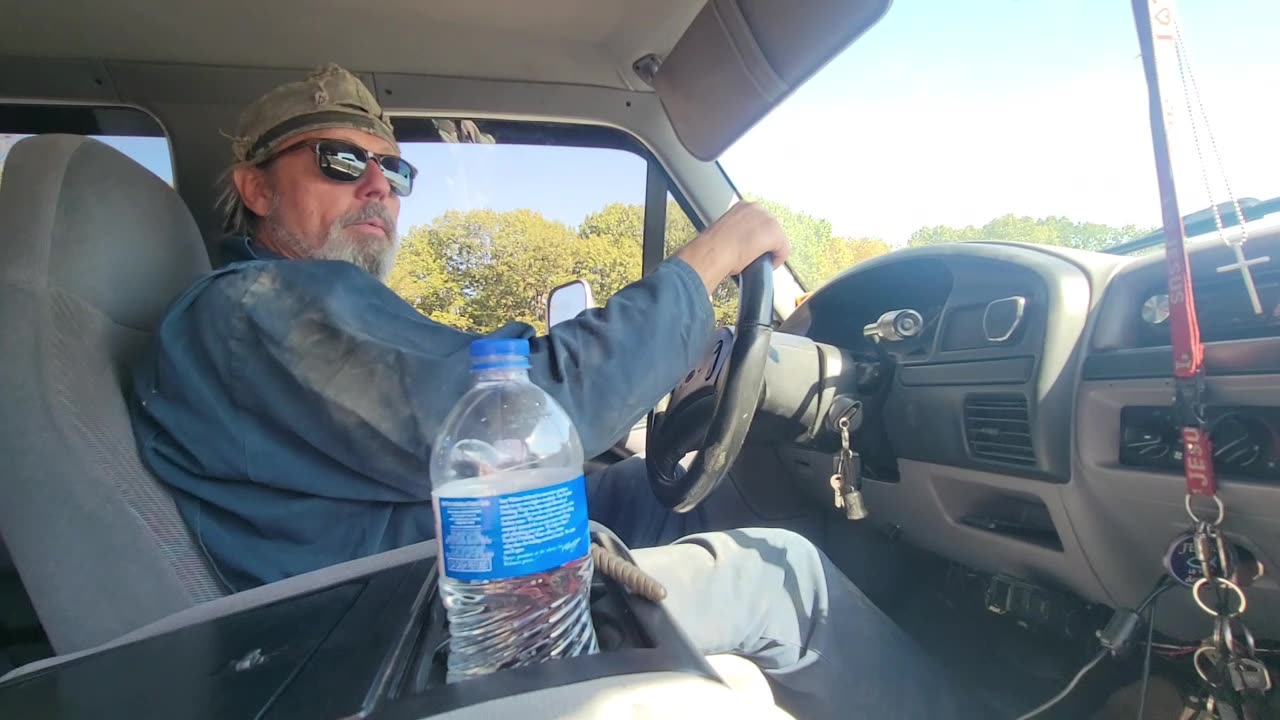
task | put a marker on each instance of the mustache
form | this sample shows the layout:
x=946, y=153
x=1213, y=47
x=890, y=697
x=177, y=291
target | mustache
x=372, y=211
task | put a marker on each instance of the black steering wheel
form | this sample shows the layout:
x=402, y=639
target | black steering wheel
x=737, y=394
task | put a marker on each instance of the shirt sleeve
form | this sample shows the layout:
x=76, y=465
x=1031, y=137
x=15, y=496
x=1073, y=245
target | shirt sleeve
x=324, y=364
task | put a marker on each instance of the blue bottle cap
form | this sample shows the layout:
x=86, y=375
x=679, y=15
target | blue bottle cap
x=493, y=353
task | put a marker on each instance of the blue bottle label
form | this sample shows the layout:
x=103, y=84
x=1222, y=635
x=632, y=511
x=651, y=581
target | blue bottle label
x=504, y=536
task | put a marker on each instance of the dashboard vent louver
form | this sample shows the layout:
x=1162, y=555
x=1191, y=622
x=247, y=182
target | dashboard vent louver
x=998, y=428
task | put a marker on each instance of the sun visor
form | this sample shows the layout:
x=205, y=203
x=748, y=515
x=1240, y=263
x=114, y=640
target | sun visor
x=740, y=58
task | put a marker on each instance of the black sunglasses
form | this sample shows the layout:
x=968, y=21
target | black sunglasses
x=346, y=162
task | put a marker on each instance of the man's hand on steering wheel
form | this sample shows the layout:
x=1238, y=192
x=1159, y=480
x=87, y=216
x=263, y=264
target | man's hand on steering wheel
x=731, y=243
x=746, y=241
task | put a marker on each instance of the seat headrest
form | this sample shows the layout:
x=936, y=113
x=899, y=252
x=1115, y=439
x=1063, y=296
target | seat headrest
x=78, y=215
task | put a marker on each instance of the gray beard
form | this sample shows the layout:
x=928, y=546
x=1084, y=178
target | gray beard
x=337, y=245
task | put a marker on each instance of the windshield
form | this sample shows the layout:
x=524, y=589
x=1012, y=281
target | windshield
x=1021, y=121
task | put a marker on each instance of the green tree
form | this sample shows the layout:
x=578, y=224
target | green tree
x=612, y=238
x=627, y=221
x=1042, y=231
x=621, y=221
x=421, y=278
x=478, y=269
x=505, y=263
x=816, y=254
x=844, y=253
x=625, y=225
x=811, y=237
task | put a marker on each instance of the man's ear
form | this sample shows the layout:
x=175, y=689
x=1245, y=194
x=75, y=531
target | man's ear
x=254, y=188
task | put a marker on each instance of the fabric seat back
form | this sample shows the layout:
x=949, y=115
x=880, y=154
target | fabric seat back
x=93, y=248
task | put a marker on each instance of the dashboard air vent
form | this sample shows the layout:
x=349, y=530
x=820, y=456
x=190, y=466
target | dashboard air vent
x=998, y=428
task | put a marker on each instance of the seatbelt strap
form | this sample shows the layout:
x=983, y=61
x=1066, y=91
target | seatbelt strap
x=1156, y=37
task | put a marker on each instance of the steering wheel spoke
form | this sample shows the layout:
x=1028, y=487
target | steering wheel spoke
x=736, y=398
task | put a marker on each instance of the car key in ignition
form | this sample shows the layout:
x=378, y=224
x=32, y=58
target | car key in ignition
x=846, y=481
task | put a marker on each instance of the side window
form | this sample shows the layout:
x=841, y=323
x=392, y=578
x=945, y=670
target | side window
x=503, y=212
x=680, y=230
x=128, y=130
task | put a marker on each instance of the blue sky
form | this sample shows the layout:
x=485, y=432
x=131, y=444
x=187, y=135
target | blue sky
x=564, y=184
x=151, y=152
x=944, y=113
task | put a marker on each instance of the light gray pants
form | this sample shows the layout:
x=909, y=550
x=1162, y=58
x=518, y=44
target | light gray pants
x=772, y=597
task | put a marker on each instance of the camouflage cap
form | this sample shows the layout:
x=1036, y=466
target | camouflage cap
x=330, y=97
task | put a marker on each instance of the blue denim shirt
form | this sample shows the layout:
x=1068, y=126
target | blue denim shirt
x=291, y=404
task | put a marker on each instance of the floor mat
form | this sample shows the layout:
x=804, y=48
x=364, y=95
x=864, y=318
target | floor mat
x=1164, y=701
x=1009, y=666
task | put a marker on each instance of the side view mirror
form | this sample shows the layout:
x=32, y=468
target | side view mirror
x=567, y=301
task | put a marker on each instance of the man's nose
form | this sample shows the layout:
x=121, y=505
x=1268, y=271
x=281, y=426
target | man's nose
x=373, y=183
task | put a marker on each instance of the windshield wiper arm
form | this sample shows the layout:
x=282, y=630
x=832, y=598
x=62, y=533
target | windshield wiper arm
x=1201, y=221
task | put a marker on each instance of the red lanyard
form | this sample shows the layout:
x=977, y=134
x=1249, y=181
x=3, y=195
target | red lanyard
x=1156, y=37
x=1234, y=678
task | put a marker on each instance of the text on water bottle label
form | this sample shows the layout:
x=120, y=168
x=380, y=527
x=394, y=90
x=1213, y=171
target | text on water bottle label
x=503, y=536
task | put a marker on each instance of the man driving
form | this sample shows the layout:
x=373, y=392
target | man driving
x=290, y=401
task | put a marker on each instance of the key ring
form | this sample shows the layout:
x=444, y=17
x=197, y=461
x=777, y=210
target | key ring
x=1197, y=519
x=1202, y=651
x=1195, y=593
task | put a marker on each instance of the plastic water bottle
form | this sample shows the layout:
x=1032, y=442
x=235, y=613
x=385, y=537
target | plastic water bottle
x=511, y=521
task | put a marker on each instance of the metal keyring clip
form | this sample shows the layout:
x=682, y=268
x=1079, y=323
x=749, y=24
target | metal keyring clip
x=1195, y=593
x=1196, y=518
x=1226, y=558
x=1223, y=637
x=1235, y=626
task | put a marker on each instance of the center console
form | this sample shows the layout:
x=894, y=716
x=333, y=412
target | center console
x=372, y=646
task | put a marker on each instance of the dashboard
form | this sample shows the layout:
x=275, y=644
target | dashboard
x=1028, y=414
x=968, y=386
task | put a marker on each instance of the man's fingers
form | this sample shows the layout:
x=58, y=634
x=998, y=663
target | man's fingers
x=744, y=233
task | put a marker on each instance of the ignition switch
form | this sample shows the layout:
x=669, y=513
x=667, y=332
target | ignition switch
x=843, y=406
